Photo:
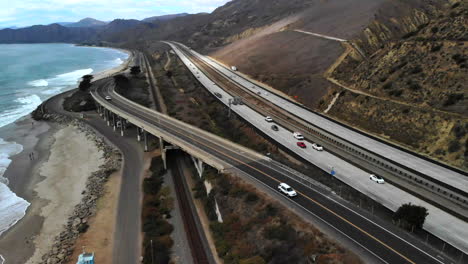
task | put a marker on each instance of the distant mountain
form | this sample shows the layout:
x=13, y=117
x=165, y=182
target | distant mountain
x=164, y=17
x=89, y=30
x=46, y=34
x=87, y=22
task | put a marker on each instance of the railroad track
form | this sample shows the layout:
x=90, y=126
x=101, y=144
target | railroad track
x=183, y=195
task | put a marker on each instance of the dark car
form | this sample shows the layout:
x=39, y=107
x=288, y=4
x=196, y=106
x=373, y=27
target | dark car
x=275, y=127
x=301, y=144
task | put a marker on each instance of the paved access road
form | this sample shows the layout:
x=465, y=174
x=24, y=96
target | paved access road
x=384, y=245
x=127, y=241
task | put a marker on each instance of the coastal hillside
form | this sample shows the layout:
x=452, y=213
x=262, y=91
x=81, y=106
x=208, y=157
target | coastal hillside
x=412, y=88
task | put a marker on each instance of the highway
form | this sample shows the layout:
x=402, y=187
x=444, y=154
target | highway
x=450, y=183
x=384, y=243
x=449, y=228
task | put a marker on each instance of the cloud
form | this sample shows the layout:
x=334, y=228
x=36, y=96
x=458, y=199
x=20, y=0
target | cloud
x=32, y=12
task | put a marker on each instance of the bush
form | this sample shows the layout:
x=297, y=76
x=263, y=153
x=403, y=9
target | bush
x=83, y=227
x=396, y=93
x=453, y=98
x=417, y=69
x=436, y=48
x=434, y=30
x=454, y=146
x=411, y=216
x=458, y=58
x=459, y=131
x=135, y=70
x=387, y=86
x=251, y=197
x=282, y=232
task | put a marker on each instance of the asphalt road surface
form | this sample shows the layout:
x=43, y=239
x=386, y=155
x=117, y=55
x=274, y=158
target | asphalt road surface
x=383, y=243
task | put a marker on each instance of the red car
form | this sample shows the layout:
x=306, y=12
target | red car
x=301, y=145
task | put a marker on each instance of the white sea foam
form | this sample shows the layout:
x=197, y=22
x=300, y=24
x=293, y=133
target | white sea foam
x=118, y=61
x=68, y=78
x=39, y=83
x=26, y=105
x=12, y=207
x=52, y=91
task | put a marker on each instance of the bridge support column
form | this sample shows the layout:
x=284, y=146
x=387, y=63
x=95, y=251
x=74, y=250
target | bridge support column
x=163, y=152
x=145, y=137
x=121, y=126
x=114, y=125
x=198, y=165
x=108, y=117
x=138, y=134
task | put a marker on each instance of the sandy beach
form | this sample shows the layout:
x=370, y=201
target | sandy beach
x=54, y=187
x=53, y=182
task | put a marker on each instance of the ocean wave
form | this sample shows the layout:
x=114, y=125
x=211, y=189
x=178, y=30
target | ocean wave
x=26, y=105
x=12, y=208
x=118, y=61
x=69, y=78
x=53, y=91
x=7, y=149
x=39, y=83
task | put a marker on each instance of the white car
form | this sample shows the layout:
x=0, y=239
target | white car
x=317, y=147
x=298, y=136
x=286, y=189
x=108, y=98
x=268, y=119
x=377, y=178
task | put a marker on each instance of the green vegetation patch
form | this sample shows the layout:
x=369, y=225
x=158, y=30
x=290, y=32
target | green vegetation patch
x=157, y=205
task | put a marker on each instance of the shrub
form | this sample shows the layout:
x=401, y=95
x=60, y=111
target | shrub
x=453, y=98
x=454, y=146
x=396, y=93
x=436, y=48
x=83, y=227
x=434, y=29
x=251, y=197
x=411, y=216
x=387, y=86
x=134, y=70
x=459, y=131
x=458, y=58
x=417, y=69
x=281, y=232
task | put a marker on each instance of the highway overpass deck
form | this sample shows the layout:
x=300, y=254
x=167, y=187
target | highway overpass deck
x=440, y=223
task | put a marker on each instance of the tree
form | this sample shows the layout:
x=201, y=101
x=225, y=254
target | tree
x=135, y=70
x=85, y=82
x=411, y=216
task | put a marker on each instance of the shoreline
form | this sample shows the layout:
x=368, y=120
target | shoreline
x=24, y=177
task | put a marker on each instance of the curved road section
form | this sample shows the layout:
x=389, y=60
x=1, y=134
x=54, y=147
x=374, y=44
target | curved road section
x=385, y=243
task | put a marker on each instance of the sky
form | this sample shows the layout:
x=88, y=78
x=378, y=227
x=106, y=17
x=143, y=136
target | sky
x=22, y=13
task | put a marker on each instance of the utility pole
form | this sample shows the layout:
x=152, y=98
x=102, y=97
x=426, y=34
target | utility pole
x=152, y=255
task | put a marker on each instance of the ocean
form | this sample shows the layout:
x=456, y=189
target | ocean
x=30, y=74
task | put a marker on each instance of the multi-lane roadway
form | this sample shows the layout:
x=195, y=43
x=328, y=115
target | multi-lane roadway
x=385, y=244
